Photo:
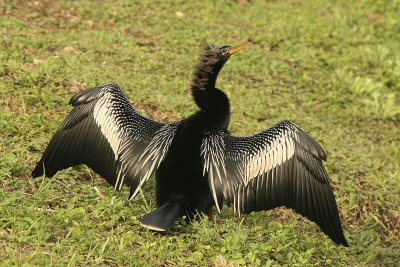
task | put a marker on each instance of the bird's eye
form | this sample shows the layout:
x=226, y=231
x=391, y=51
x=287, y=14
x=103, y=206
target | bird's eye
x=225, y=50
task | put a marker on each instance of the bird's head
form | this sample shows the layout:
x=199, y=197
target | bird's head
x=210, y=63
x=213, y=55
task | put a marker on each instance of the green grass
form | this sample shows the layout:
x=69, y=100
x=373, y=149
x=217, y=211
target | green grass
x=333, y=67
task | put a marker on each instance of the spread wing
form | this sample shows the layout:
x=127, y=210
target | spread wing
x=281, y=166
x=106, y=133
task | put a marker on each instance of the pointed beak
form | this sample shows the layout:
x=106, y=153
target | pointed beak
x=237, y=48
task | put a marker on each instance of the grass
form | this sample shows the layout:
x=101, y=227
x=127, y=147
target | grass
x=331, y=67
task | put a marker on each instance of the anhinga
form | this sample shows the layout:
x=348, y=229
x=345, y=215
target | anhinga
x=198, y=164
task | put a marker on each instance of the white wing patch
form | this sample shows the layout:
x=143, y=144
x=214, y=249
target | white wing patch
x=105, y=118
x=252, y=157
x=109, y=116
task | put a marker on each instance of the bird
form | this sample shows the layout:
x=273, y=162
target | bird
x=198, y=164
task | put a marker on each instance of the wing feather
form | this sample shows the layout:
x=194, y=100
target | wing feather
x=106, y=133
x=281, y=166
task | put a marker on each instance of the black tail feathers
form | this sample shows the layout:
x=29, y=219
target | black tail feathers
x=162, y=218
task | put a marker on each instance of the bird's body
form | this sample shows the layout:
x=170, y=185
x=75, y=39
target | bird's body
x=198, y=164
x=185, y=182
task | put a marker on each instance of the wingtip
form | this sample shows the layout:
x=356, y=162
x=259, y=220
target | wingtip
x=343, y=241
x=38, y=170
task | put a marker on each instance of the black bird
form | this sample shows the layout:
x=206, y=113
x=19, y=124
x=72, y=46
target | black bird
x=198, y=164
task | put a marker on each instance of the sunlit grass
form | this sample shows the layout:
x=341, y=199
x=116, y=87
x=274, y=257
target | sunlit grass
x=331, y=67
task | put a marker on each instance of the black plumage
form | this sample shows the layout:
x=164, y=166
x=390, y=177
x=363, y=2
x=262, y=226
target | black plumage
x=198, y=164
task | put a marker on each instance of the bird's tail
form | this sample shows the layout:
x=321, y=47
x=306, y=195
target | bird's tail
x=162, y=218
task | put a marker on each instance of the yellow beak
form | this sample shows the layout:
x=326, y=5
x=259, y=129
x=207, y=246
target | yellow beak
x=237, y=48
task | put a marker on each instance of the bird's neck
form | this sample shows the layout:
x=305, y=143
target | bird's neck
x=212, y=101
x=205, y=74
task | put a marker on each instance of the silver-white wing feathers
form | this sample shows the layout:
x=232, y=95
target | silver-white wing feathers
x=281, y=166
x=105, y=132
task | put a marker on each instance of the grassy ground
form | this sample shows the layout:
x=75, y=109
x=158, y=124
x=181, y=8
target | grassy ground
x=333, y=67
